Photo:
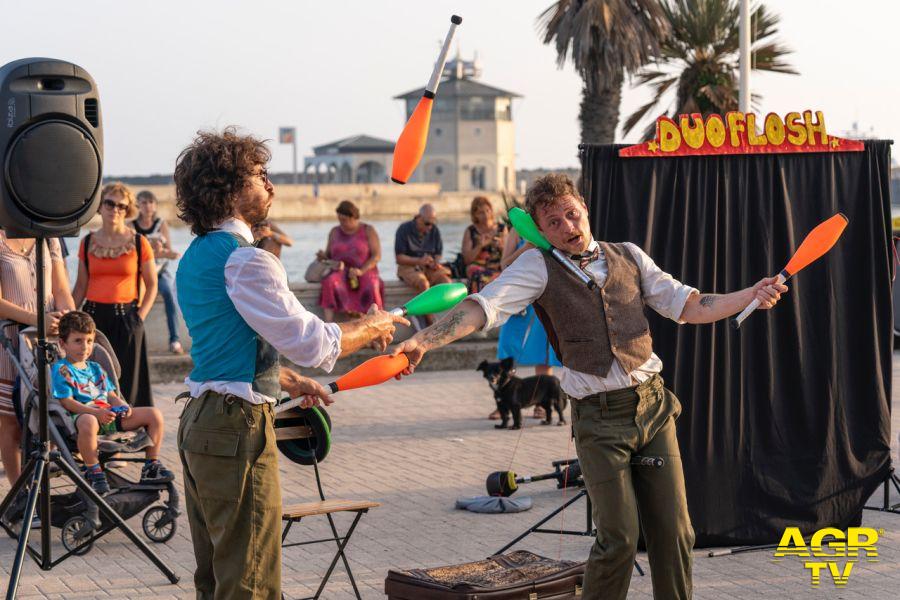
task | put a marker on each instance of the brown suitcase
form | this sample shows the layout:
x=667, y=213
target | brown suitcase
x=519, y=575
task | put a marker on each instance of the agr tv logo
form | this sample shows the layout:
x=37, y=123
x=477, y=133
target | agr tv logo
x=830, y=550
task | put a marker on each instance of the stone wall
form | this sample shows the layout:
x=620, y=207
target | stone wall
x=297, y=203
x=396, y=293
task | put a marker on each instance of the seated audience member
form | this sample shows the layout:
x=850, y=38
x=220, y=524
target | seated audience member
x=85, y=390
x=355, y=287
x=418, y=248
x=482, y=245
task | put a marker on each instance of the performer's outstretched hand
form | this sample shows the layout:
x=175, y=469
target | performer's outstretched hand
x=768, y=291
x=384, y=324
x=414, y=350
x=374, y=329
x=296, y=385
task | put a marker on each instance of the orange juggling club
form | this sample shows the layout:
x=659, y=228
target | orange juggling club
x=411, y=143
x=372, y=372
x=816, y=243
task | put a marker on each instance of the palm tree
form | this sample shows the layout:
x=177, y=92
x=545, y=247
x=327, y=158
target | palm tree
x=700, y=58
x=606, y=39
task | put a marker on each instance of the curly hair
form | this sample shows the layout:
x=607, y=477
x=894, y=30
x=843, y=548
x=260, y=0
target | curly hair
x=211, y=173
x=117, y=188
x=75, y=321
x=546, y=190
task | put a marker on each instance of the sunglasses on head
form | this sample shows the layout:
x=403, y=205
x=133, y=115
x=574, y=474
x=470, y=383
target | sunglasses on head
x=112, y=204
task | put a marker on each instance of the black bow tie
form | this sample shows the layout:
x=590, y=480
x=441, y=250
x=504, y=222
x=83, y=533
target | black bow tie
x=586, y=258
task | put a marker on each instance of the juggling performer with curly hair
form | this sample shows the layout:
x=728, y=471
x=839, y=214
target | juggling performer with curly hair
x=241, y=316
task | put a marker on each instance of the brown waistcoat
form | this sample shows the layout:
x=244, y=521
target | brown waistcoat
x=588, y=329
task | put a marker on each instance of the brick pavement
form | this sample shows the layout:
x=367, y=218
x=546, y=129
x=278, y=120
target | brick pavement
x=415, y=447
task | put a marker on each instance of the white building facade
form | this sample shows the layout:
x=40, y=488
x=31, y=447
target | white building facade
x=471, y=141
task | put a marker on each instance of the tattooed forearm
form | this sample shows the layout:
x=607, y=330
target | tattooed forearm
x=444, y=331
x=707, y=301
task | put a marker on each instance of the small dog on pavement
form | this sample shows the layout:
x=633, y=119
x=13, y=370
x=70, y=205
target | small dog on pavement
x=512, y=393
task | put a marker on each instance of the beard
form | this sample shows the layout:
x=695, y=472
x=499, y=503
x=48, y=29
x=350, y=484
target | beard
x=255, y=210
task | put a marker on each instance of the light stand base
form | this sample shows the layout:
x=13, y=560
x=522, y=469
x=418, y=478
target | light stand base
x=886, y=505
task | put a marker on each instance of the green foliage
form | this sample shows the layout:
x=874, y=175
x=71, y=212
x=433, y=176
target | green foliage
x=604, y=39
x=699, y=59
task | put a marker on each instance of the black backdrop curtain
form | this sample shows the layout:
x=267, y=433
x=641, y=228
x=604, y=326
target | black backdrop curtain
x=786, y=422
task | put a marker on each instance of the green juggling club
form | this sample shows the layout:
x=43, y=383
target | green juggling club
x=436, y=299
x=527, y=229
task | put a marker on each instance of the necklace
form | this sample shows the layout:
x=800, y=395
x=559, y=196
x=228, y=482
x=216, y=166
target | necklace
x=19, y=247
x=114, y=250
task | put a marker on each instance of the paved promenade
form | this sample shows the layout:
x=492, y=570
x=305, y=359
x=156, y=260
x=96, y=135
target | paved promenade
x=416, y=446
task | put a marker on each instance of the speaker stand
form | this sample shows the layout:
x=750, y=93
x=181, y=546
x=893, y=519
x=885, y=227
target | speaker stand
x=35, y=475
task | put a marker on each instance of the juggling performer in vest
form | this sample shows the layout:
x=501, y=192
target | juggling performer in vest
x=241, y=315
x=619, y=404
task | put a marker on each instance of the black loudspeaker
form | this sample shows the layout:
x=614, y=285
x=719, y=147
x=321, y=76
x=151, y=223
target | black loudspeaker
x=51, y=148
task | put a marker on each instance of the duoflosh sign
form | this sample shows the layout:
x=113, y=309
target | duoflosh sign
x=740, y=133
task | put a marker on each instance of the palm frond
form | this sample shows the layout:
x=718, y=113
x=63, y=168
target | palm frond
x=659, y=89
x=699, y=58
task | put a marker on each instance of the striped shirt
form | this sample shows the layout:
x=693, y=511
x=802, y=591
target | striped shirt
x=18, y=285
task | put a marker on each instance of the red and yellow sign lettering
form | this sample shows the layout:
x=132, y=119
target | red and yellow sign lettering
x=739, y=133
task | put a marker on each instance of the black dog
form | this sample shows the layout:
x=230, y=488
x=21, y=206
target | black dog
x=514, y=393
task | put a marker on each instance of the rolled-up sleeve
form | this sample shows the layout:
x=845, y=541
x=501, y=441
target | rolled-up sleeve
x=662, y=292
x=518, y=285
x=256, y=282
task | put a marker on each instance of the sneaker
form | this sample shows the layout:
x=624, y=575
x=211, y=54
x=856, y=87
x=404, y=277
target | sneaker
x=155, y=472
x=176, y=348
x=98, y=481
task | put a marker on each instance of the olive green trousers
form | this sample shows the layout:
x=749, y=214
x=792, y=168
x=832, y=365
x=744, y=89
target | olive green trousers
x=232, y=497
x=609, y=428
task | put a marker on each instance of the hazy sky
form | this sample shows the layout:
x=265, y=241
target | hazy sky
x=331, y=68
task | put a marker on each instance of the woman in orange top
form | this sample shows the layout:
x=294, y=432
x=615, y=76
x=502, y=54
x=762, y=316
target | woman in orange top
x=113, y=262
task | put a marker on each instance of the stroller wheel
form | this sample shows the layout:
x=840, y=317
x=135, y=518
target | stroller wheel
x=75, y=532
x=159, y=525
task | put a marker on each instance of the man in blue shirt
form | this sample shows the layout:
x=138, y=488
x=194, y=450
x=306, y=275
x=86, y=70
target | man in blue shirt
x=241, y=315
x=418, y=248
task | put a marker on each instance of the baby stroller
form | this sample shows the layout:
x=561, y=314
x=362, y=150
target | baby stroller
x=73, y=512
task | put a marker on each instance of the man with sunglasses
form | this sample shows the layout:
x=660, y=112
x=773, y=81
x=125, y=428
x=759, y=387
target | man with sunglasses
x=418, y=247
x=242, y=315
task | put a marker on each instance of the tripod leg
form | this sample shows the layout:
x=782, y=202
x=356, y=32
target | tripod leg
x=39, y=466
x=113, y=516
x=537, y=525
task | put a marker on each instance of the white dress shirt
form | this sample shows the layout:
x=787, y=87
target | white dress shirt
x=525, y=279
x=257, y=284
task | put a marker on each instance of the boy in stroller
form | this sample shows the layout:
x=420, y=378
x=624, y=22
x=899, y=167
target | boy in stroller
x=86, y=392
